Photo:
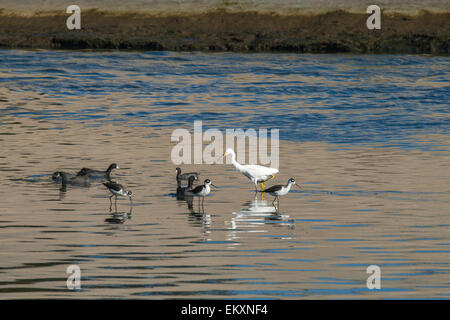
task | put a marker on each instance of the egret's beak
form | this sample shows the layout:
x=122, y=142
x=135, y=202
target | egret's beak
x=219, y=158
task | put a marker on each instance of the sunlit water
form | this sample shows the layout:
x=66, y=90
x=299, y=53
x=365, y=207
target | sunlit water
x=367, y=138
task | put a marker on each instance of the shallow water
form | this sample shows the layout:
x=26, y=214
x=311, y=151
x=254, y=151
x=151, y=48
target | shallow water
x=365, y=136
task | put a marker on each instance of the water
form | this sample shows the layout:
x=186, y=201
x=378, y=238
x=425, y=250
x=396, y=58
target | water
x=365, y=136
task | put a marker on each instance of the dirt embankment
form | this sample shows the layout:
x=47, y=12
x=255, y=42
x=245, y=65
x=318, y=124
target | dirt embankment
x=221, y=30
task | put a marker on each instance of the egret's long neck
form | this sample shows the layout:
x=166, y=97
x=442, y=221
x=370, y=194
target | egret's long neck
x=236, y=164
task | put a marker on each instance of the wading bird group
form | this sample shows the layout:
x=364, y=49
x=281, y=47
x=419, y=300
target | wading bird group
x=84, y=177
x=256, y=173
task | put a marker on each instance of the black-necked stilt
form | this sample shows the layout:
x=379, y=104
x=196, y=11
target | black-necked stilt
x=257, y=174
x=99, y=173
x=81, y=180
x=201, y=191
x=117, y=190
x=184, y=191
x=279, y=190
x=185, y=176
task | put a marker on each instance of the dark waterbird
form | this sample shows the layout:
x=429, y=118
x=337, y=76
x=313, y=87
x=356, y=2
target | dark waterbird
x=57, y=175
x=185, y=176
x=99, y=173
x=185, y=191
x=77, y=180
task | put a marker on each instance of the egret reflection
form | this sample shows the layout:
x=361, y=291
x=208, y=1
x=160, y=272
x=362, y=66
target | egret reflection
x=255, y=215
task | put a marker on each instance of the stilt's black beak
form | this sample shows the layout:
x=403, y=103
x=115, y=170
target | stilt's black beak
x=214, y=186
x=298, y=186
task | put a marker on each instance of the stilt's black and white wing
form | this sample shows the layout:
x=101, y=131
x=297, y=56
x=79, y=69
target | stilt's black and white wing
x=113, y=186
x=197, y=189
x=274, y=188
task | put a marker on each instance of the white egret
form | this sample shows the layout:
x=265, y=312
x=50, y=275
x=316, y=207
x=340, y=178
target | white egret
x=257, y=174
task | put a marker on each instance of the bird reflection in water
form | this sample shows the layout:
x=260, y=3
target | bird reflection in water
x=198, y=216
x=257, y=213
x=62, y=193
x=119, y=217
x=64, y=187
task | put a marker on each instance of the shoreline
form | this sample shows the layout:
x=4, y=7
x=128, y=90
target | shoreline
x=235, y=31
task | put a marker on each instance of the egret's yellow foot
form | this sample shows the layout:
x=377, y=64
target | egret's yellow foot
x=262, y=186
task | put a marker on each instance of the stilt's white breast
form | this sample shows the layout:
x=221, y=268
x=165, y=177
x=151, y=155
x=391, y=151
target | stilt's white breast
x=205, y=191
x=121, y=192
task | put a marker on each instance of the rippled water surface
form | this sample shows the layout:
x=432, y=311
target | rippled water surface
x=367, y=138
